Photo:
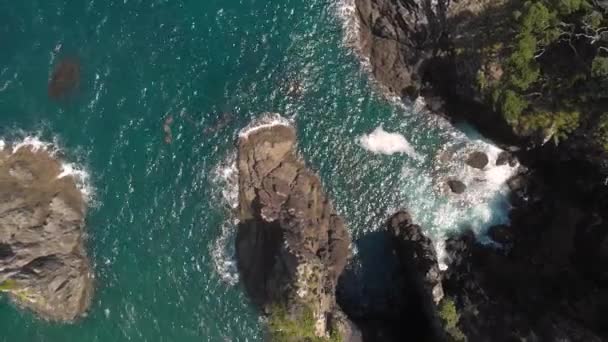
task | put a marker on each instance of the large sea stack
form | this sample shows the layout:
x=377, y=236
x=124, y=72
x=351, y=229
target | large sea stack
x=291, y=244
x=43, y=263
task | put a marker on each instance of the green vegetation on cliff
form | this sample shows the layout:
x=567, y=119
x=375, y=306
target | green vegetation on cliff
x=284, y=328
x=554, y=71
x=450, y=317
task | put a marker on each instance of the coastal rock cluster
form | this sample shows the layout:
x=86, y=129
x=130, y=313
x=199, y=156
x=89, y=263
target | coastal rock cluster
x=43, y=263
x=545, y=278
x=291, y=245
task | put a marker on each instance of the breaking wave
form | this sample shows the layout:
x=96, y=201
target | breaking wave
x=383, y=142
x=68, y=169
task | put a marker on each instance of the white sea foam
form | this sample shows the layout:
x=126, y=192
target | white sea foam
x=482, y=185
x=80, y=176
x=346, y=11
x=223, y=253
x=381, y=141
x=77, y=172
x=224, y=181
x=265, y=121
x=225, y=178
x=34, y=144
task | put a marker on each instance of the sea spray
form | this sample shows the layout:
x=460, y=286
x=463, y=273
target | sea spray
x=80, y=175
x=265, y=121
x=224, y=181
x=383, y=142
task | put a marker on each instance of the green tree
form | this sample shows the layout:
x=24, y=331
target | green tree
x=537, y=18
x=450, y=318
x=512, y=106
x=567, y=7
x=601, y=132
x=599, y=66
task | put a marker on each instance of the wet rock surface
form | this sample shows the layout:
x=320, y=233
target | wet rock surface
x=410, y=48
x=477, y=160
x=291, y=245
x=43, y=262
x=456, y=186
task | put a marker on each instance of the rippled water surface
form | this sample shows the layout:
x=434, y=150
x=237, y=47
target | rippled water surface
x=159, y=227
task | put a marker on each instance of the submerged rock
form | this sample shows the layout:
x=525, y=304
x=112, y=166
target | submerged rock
x=65, y=79
x=291, y=245
x=501, y=234
x=43, y=262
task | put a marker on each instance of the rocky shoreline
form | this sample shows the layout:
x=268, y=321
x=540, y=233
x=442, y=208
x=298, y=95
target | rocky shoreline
x=547, y=279
x=43, y=261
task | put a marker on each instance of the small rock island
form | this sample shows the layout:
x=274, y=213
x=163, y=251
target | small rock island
x=291, y=245
x=43, y=263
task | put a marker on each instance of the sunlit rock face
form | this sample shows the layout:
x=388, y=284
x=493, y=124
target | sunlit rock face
x=43, y=263
x=291, y=244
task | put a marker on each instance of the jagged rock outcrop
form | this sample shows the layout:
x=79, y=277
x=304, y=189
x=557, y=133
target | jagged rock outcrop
x=417, y=254
x=291, y=245
x=43, y=262
x=477, y=160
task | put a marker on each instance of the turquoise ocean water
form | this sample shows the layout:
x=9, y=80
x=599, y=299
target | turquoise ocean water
x=159, y=231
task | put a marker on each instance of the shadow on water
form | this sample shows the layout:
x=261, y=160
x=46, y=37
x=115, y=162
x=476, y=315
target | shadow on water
x=257, y=246
x=378, y=292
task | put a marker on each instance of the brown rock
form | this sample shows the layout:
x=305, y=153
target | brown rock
x=291, y=245
x=477, y=160
x=457, y=186
x=43, y=262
